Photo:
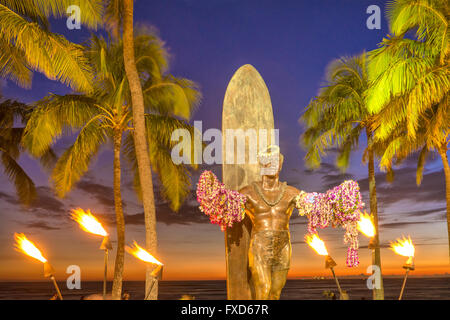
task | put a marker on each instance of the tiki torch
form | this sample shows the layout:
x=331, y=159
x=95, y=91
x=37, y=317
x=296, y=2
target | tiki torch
x=405, y=247
x=366, y=227
x=319, y=246
x=90, y=224
x=27, y=247
x=145, y=256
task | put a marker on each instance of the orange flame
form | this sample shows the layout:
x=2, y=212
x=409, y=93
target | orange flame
x=142, y=254
x=403, y=247
x=88, y=222
x=317, y=244
x=365, y=225
x=27, y=247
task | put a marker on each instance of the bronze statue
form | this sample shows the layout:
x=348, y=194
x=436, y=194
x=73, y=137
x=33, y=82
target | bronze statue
x=269, y=206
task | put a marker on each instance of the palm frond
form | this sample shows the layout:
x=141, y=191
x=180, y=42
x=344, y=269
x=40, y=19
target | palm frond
x=75, y=161
x=13, y=65
x=421, y=164
x=40, y=10
x=46, y=52
x=336, y=116
x=54, y=116
x=25, y=187
x=167, y=97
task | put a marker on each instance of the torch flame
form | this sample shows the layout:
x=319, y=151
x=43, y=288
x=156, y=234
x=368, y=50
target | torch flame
x=142, y=254
x=27, y=247
x=317, y=244
x=365, y=225
x=88, y=222
x=403, y=247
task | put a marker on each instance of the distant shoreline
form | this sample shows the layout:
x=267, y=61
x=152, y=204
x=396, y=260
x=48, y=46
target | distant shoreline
x=361, y=277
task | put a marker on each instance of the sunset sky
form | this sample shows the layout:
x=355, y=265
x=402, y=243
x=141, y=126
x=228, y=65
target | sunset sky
x=289, y=43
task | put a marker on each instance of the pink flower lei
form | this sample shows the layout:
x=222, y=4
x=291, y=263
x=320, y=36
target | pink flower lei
x=224, y=207
x=339, y=206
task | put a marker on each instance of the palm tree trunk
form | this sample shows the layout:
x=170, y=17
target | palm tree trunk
x=443, y=154
x=118, y=268
x=378, y=293
x=140, y=141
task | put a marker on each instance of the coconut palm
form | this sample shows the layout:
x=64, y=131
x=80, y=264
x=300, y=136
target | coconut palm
x=10, y=135
x=431, y=136
x=12, y=115
x=338, y=117
x=140, y=141
x=410, y=82
x=27, y=44
x=105, y=115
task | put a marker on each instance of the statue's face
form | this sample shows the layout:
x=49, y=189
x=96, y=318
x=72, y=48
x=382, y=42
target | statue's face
x=271, y=165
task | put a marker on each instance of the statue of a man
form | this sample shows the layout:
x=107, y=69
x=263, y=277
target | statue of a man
x=269, y=204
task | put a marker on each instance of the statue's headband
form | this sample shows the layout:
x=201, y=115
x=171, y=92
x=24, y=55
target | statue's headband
x=269, y=154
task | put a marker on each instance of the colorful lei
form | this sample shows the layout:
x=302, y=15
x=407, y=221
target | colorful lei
x=224, y=207
x=339, y=206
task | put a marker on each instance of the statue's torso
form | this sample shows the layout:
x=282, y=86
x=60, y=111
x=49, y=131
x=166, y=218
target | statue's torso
x=272, y=215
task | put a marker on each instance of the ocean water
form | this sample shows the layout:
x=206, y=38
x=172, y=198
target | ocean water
x=306, y=289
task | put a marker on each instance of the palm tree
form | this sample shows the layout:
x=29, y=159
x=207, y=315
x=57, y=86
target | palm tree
x=27, y=44
x=140, y=141
x=410, y=82
x=337, y=117
x=105, y=114
x=431, y=136
x=10, y=149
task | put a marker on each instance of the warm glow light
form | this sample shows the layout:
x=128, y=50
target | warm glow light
x=317, y=244
x=142, y=254
x=26, y=246
x=88, y=222
x=365, y=225
x=403, y=247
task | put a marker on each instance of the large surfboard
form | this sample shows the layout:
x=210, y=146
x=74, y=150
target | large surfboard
x=246, y=105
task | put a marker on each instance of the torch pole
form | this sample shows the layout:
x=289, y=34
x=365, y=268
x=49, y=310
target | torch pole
x=404, y=284
x=105, y=274
x=106, y=245
x=156, y=275
x=49, y=273
x=337, y=281
x=408, y=266
x=330, y=264
x=56, y=287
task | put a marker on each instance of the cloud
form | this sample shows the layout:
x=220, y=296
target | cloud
x=8, y=198
x=189, y=213
x=400, y=225
x=331, y=175
x=40, y=225
x=422, y=213
x=46, y=204
x=404, y=187
x=103, y=194
x=325, y=168
x=332, y=180
x=382, y=245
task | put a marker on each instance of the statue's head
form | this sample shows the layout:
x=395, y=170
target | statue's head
x=270, y=160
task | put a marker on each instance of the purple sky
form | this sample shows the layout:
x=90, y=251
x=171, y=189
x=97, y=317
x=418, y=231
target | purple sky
x=290, y=44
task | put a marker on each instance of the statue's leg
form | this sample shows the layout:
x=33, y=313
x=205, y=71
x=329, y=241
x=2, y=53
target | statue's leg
x=281, y=266
x=278, y=282
x=261, y=271
x=261, y=276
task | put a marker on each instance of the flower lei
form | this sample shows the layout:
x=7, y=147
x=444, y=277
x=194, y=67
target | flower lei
x=338, y=206
x=224, y=207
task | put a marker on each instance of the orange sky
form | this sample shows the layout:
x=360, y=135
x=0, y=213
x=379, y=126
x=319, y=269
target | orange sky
x=201, y=260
